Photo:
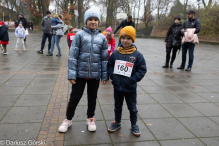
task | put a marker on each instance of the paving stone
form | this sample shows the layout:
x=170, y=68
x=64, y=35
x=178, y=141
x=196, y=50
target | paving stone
x=38, y=89
x=152, y=111
x=125, y=134
x=78, y=134
x=11, y=90
x=166, y=98
x=215, y=119
x=39, y=82
x=19, y=132
x=3, y=111
x=176, y=89
x=106, y=98
x=168, y=129
x=25, y=114
x=211, y=141
x=108, y=112
x=201, y=126
x=5, y=76
x=183, y=142
x=144, y=99
x=46, y=76
x=209, y=109
x=149, y=89
x=7, y=100
x=81, y=113
x=199, y=89
x=204, y=82
x=213, y=88
x=181, y=110
x=23, y=76
x=191, y=97
x=32, y=100
x=17, y=83
x=149, y=143
x=31, y=69
x=213, y=97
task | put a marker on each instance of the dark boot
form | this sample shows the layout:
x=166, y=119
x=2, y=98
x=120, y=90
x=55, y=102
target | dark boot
x=181, y=67
x=165, y=66
x=171, y=65
x=188, y=69
x=41, y=52
x=49, y=55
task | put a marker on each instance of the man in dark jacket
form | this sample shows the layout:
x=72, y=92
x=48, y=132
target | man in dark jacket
x=24, y=22
x=124, y=23
x=192, y=22
x=46, y=28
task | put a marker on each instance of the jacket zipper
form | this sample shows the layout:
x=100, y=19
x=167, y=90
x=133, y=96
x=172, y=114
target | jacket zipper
x=91, y=50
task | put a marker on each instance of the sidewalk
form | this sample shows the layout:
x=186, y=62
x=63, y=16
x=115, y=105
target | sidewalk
x=176, y=108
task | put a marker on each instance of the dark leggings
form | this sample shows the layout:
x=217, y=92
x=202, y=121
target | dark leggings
x=168, y=50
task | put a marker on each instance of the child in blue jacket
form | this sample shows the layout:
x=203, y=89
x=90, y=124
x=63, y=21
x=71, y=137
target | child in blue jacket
x=126, y=67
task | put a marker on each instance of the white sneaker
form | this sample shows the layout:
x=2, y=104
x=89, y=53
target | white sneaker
x=5, y=53
x=91, y=125
x=64, y=126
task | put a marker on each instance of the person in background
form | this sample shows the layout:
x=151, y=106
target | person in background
x=173, y=41
x=70, y=35
x=111, y=41
x=4, y=37
x=20, y=34
x=16, y=24
x=46, y=28
x=192, y=22
x=57, y=36
x=124, y=23
x=24, y=23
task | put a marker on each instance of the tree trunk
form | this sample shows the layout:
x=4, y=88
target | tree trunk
x=39, y=19
x=109, y=17
x=138, y=13
x=44, y=8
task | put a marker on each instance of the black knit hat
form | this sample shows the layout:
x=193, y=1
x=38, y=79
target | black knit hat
x=21, y=14
x=48, y=12
x=178, y=18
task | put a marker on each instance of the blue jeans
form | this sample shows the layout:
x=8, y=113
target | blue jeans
x=190, y=47
x=55, y=39
x=44, y=37
x=131, y=101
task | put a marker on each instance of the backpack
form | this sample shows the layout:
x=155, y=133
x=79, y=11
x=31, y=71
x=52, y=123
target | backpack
x=65, y=28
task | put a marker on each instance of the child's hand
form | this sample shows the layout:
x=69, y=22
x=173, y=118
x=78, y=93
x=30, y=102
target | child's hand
x=72, y=81
x=17, y=36
x=104, y=82
x=24, y=37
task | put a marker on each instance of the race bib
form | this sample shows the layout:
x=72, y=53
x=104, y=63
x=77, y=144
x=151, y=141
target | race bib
x=123, y=68
x=72, y=37
x=109, y=47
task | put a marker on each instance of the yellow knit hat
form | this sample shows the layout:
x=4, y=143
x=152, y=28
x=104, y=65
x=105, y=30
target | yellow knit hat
x=56, y=15
x=128, y=30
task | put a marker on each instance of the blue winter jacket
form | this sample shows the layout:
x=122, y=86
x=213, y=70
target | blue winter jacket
x=4, y=33
x=123, y=83
x=88, y=55
x=55, y=21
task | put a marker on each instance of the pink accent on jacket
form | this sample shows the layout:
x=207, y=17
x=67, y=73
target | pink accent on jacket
x=190, y=37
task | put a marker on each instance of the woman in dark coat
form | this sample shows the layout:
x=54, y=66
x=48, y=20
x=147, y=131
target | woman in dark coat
x=173, y=41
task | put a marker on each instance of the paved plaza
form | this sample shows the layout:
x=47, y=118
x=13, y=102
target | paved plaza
x=175, y=108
